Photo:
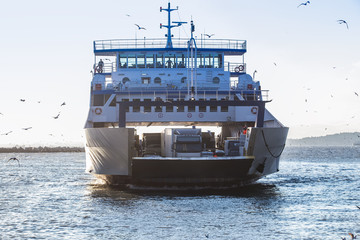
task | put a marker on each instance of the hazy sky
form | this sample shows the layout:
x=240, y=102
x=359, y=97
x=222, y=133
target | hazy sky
x=46, y=55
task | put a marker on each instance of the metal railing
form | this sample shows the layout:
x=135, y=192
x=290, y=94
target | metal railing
x=161, y=43
x=167, y=94
x=235, y=67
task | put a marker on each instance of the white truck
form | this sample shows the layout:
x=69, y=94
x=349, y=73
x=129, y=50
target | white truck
x=181, y=142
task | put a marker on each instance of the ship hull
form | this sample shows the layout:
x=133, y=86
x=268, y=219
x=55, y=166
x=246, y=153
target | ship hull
x=110, y=156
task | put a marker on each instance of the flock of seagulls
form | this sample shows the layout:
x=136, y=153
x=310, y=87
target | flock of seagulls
x=28, y=128
x=340, y=21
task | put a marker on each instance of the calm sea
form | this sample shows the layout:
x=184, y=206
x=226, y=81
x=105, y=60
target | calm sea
x=314, y=196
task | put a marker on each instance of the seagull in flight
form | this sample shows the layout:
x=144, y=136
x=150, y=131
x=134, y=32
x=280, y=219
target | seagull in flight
x=63, y=104
x=305, y=3
x=57, y=116
x=140, y=27
x=7, y=133
x=352, y=236
x=343, y=21
x=209, y=35
x=14, y=159
x=356, y=94
x=27, y=128
x=128, y=15
x=22, y=100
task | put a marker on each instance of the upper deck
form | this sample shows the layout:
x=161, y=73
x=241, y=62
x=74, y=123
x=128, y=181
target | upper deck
x=111, y=47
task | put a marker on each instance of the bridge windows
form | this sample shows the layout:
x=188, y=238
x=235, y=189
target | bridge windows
x=203, y=60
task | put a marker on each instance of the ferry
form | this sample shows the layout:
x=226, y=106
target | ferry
x=202, y=117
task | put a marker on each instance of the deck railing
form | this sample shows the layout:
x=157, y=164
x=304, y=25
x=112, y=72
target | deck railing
x=161, y=43
x=168, y=94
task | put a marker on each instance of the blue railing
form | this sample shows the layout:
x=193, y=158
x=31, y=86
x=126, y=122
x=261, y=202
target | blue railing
x=115, y=44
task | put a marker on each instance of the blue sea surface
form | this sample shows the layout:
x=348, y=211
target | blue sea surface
x=314, y=196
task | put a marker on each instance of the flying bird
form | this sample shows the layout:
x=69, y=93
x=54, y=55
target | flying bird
x=209, y=35
x=275, y=63
x=22, y=100
x=7, y=133
x=57, y=116
x=14, y=159
x=63, y=104
x=352, y=236
x=343, y=21
x=140, y=27
x=305, y=3
x=356, y=94
x=128, y=15
x=27, y=128
x=1, y=114
x=254, y=74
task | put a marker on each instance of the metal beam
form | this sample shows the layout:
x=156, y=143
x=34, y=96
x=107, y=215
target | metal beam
x=259, y=104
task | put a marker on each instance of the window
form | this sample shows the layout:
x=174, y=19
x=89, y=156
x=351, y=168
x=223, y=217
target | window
x=216, y=80
x=170, y=61
x=181, y=61
x=140, y=61
x=200, y=61
x=145, y=80
x=157, y=80
x=122, y=61
x=159, y=61
x=131, y=61
x=99, y=100
x=125, y=79
x=208, y=61
x=150, y=61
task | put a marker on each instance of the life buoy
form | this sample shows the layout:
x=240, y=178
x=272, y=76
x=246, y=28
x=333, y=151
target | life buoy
x=254, y=110
x=241, y=68
x=98, y=111
x=237, y=69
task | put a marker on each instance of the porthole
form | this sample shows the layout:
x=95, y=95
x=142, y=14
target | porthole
x=157, y=80
x=125, y=79
x=216, y=80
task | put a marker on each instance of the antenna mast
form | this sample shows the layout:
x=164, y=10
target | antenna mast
x=169, y=26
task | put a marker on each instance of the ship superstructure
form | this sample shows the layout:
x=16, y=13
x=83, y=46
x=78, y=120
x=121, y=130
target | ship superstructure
x=178, y=82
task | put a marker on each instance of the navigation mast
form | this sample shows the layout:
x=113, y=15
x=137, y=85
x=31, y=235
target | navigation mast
x=169, y=26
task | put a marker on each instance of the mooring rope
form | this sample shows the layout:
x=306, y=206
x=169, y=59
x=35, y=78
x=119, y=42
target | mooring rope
x=267, y=146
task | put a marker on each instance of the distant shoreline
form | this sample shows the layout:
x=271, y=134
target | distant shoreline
x=40, y=149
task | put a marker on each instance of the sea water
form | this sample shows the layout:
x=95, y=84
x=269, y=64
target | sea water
x=49, y=196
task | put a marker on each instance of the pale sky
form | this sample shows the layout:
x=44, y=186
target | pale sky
x=47, y=54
